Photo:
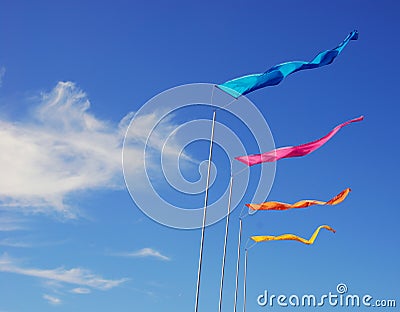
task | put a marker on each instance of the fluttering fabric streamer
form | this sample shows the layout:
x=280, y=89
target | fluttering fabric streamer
x=310, y=241
x=273, y=76
x=273, y=205
x=293, y=151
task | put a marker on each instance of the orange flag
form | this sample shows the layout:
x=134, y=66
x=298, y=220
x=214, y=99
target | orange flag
x=272, y=205
x=310, y=241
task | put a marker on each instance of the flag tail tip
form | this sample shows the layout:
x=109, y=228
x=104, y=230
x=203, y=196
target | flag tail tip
x=354, y=35
x=329, y=228
x=358, y=119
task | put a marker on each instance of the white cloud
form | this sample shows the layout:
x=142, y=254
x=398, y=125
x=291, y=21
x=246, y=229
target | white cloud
x=2, y=73
x=145, y=123
x=10, y=223
x=76, y=276
x=29, y=241
x=81, y=291
x=51, y=299
x=11, y=242
x=62, y=148
x=145, y=252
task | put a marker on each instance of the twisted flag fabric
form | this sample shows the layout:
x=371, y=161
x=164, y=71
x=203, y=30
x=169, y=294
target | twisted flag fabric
x=293, y=151
x=273, y=76
x=310, y=241
x=273, y=205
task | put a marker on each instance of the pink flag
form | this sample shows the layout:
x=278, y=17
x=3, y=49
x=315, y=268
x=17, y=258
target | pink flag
x=293, y=151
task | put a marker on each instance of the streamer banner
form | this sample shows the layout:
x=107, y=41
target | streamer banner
x=293, y=151
x=265, y=238
x=273, y=76
x=273, y=205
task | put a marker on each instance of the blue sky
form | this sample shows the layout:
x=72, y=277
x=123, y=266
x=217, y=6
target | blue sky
x=71, y=74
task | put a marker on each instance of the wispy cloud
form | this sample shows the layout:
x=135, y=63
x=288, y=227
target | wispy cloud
x=52, y=300
x=144, y=253
x=11, y=242
x=2, y=73
x=61, y=148
x=76, y=276
x=10, y=223
x=81, y=291
x=28, y=242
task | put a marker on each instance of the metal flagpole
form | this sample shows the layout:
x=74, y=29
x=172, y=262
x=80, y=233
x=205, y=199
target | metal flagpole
x=237, y=264
x=225, y=244
x=245, y=280
x=205, y=213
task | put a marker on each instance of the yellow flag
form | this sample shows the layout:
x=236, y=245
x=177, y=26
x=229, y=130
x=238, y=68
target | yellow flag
x=310, y=241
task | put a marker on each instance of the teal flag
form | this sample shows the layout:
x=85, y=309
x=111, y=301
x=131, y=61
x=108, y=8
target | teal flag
x=273, y=76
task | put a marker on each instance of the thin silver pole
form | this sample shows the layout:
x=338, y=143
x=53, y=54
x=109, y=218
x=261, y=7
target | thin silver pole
x=205, y=213
x=225, y=244
x=245, y=281
x=237, y=264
